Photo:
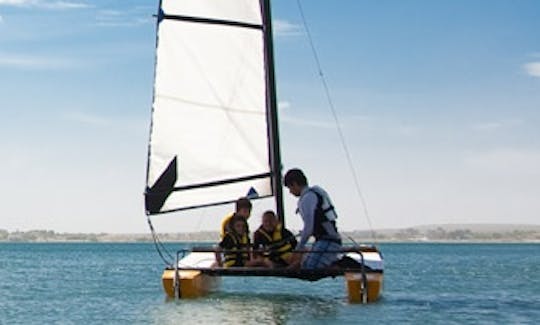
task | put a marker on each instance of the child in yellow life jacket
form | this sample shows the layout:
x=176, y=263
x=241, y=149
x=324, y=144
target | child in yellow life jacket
x=277, y=241
x=235, y=244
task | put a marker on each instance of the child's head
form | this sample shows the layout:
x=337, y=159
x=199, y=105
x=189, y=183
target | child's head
x=243, y=207
x=269, y=221
x=238, y=225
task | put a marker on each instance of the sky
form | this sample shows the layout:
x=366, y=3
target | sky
x=438, y=101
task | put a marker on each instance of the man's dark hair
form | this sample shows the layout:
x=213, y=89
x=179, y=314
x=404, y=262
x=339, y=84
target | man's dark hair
x=295, y=175
x=243, y=202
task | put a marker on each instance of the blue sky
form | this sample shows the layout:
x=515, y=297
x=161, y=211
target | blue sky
x=439, y=102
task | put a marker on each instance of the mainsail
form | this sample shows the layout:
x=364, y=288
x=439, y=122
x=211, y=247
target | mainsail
x=214, y=134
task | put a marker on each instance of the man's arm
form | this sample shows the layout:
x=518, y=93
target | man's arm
x=307, y=206
x=290, y=238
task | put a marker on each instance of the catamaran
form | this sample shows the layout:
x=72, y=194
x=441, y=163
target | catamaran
x=214, y=136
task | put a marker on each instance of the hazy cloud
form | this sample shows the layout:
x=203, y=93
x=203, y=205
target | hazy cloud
x=58, y=5
x=1, y=19
x=285, y=28
x=487, y=126
x=406, y=130
x=361, y=117
x=14, y=2
x=136, y=16
x=506, y=161
x=494, y=125
x=53, y=5
x=283, y=105
x=307, y=122
x=532, y=69
x=286, y=115
x=87, y=119
x=28, y=62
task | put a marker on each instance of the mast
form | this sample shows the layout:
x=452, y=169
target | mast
x=275, y=155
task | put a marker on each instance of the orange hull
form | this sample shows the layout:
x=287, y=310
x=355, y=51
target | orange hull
x=193, y=284
x=354, y=287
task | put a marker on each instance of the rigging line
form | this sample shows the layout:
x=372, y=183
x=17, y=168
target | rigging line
x=158, y=244
x=164, y=248
x=336, y=120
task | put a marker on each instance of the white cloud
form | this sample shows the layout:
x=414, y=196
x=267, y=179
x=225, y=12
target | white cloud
x=1, y=19
x=27, y=62
x=407, y=130
x=361, y=117
x=532, y=69
x=284, y=108
x=506, y=161
x=129, y=18
x=487, y=126
x=53, y=5
x=65, y=5
x=285, y=28
x=306, y=122
x=126, y=124
x=282, y=105
x=495, y=125
x=15, y=2
x=87, y=119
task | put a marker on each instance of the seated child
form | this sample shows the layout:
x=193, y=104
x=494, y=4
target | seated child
x=236, y=246
x=277, y=241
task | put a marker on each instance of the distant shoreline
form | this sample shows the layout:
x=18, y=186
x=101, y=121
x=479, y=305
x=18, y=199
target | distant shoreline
x=472, y=233
x=533, y=242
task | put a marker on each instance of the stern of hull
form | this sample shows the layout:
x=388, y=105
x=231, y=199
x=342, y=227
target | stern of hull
x=192, y=284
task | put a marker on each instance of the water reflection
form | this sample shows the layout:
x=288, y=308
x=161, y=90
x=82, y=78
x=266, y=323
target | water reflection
x=275, y=308
x=311, y=303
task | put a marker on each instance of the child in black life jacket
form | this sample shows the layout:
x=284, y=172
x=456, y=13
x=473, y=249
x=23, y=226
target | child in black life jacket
x=236, y=246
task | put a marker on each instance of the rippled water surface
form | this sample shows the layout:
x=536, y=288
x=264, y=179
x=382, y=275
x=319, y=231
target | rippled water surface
x=120, y=284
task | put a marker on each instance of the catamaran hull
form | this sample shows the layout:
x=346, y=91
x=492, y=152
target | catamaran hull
x=193, y=284
x=198, y=275
x=370, y=289
x=355, y=287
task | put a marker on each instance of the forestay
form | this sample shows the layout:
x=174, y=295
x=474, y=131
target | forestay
x=209, y=139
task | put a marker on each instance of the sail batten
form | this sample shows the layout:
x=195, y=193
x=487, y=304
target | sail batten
x=202, y=206
x=211, y=21
x=210, y=110
x=210, y=184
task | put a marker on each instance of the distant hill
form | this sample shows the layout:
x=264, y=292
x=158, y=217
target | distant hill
x=459, y=233
x=478, y=227
x=423, y=233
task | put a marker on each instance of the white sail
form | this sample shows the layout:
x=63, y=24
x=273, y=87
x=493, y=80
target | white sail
x=209, y=140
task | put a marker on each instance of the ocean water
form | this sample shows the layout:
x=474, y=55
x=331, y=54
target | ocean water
x=120, y=284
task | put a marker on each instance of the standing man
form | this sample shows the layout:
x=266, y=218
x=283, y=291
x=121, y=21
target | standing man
x=317, y=211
